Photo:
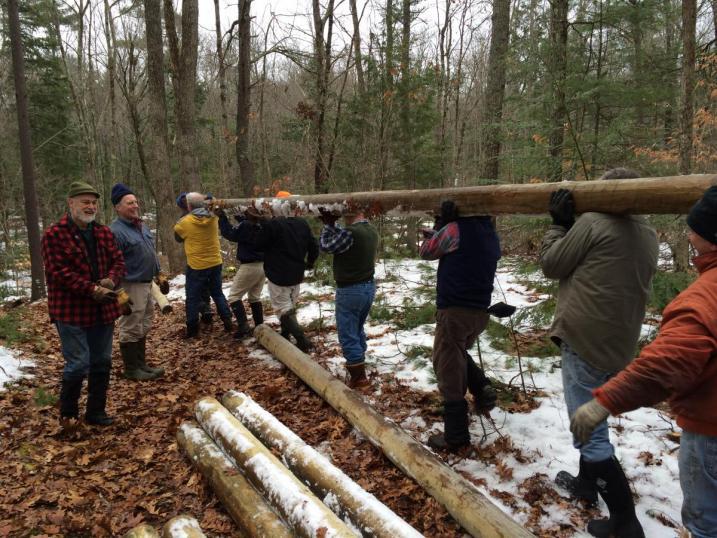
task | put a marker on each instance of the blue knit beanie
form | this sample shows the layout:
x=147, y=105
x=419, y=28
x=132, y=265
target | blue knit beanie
x=119, y=191
x=182, y=201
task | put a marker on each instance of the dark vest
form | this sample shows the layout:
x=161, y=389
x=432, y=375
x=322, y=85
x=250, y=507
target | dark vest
x=357, y=263
x=465, y=276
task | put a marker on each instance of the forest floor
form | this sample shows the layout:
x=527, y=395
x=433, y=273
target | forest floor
x=104, y=481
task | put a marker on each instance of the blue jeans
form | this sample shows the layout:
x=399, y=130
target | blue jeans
x=85, y=349
x=698, y=480
x=353, y=304
x=579, y=380
x=197, y=281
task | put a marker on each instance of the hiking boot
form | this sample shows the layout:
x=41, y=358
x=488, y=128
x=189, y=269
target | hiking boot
x=102, y=419
x=357, y=374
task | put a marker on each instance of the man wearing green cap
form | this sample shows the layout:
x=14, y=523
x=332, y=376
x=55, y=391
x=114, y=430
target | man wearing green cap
x=82, y=267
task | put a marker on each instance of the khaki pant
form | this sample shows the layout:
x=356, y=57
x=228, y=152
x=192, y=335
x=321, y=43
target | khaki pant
x=283, y=298
x=249, y=278
x=456, y=331
x=136, y=325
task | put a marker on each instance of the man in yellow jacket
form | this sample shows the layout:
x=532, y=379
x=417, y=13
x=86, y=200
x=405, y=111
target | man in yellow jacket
x=198, y=230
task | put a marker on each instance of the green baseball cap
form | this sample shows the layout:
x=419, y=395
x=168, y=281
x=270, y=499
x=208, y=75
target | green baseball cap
x=80, y=187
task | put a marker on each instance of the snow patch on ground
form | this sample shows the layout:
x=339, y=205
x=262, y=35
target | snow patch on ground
x=12, y=366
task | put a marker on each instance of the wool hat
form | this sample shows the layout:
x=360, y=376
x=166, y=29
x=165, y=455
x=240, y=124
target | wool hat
x=80, y=187
x=702, y=218
x=119, y=191
x=182, y=201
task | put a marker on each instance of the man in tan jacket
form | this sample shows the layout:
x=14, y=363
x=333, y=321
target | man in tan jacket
x=605, y=264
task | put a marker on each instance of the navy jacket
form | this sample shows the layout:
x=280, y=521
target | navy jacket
x=242, y=236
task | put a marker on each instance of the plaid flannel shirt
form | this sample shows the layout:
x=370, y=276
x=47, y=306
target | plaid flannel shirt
x=335, y=240
x=444, y=241
x=69, y=274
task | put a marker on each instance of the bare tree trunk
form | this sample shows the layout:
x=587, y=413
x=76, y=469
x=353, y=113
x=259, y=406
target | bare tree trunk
x=387, y=101
x=226, y=153
x=111, y=77
x=32, y=217
x=159, y=143
x=689, y=22
x=184, y=73
x=322, y=60
x=246, y=167
x=495, y=88
x=595, y=152
x=559, y=62
x=356, y=43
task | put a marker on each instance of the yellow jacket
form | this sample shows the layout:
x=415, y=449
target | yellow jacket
x=199, y=231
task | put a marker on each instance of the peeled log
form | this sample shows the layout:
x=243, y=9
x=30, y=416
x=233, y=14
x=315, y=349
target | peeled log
x=338, y=491
x=142, y=531
x=161, y=299
x=246, y=507
x=464, y=502
x=307, y=515
x=182, y=527
x=663, y=195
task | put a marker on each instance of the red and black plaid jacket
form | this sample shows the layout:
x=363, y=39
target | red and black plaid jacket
x=69, y=274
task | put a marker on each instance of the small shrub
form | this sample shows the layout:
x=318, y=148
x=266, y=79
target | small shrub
x=414, y=352
x=43, y=398
x=380, y=311
x=416, y=315
x=10, y=324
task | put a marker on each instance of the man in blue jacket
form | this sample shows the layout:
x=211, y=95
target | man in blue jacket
x=249, y=278
x=468, y=250
x=136, y=242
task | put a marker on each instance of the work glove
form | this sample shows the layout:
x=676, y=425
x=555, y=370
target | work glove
x=501, y=310
x=427, y=233
x=449, y=212
x=328, y=218
x=253, y=214
x=586, y=419
x=124, y=301
x=486, y=399
x=104, y=295
x=562, y=208
x=107, y=283
x=219, y=212
x=163, y=283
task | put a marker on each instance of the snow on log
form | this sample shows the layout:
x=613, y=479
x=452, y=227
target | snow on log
x=338, y=491
x=306, y=514
x=246, y=507
x=161, y=299
x=182, y=526
x=142, y=531
x=476, y=514
x=674, y=194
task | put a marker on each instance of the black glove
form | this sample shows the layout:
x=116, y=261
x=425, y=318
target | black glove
x=328, y=218
x=486, y=400
x=562, y=208
x=449, y=212
x=501, y=310
x=253, y=214
x=219, y=212
x=163, y=283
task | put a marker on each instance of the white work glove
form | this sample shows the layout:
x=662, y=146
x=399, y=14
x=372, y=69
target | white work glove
x=586, y=419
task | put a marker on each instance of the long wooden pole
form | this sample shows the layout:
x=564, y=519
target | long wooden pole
x=663, y=195
x=476, y=514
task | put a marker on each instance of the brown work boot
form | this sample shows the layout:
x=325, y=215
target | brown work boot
x=357, y=375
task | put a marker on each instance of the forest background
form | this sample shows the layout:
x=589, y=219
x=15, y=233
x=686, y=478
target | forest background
x=345, y=95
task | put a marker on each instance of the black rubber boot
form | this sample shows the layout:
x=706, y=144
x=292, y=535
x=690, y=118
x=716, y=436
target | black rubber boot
x=243, y=329
x=70, y=397
x=284, y=328
x=292, y=325
x=484, y=395
x=97, y=384
x=130, y=352
x=192, y=330
x=455, y=428
x=614, y=488
x=579, y=488
x=156, y=372
x=257, y=313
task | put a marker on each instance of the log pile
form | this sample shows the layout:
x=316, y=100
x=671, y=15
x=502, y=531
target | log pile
x=178, y=527
x=261, y=495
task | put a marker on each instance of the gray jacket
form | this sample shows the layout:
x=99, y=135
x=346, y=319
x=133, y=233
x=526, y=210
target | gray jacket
x=605, y=265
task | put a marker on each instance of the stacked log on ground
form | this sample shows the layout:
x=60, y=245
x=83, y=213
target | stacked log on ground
x=246, y=507
x=161, y=299
x=305, y=513
x=475, y=513
x=183, y=526
x=142, y=531
x=663, y=195
x=337, y=490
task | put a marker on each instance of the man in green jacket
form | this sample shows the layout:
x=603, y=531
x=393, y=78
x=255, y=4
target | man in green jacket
x=354, y=249
x=605, y=264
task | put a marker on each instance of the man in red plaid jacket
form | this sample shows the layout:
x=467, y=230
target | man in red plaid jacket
x=82, y=267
